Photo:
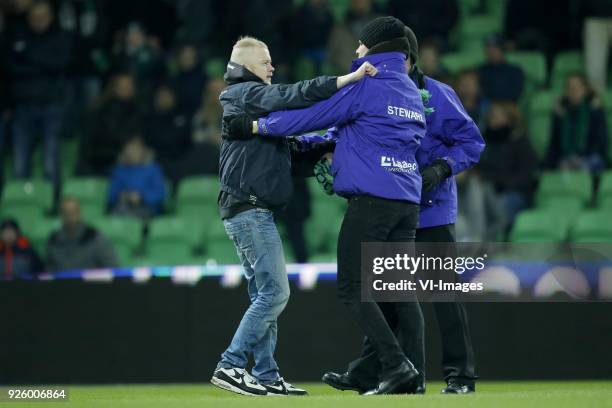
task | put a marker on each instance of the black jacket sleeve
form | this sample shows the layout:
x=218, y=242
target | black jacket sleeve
x=262, y=99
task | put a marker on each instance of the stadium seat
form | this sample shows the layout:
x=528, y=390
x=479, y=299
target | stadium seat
x=604, y=192
x=222, y=251
x=571, y=205
x=197, y=195
x=564, y=64
x=593, y=226
x=564, y=184
x=39, y=231
x=31, y=193
x=539, y=226
x=533, y=65
x=122, y=231
x=459, y=61
x=473, y=30
x=175, y=229
x=215, y=68
x=164, y=253
x=92, y=193
x=338, y=9
x=540, y=121
x=25, y=215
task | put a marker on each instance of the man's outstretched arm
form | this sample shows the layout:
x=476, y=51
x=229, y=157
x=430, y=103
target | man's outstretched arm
x=337, y=110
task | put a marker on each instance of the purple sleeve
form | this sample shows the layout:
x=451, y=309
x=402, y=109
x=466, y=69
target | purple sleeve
x=462, y=136
x=310, y=140
x=337, y=110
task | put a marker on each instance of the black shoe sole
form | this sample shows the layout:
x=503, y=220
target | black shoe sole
x=342, y=387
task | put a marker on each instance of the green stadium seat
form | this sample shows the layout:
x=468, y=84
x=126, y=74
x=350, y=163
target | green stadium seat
x=222, y=251
x=473, y=30
x=170, y=229
x=215, y=68
x=604, y=192
x=122, y=231
x=564, y=184
x=459, y=61
x=539, y=226
x=195, y=193
x=304, y=69
x=564, y=64
x=570, y=205
x=338, y=9
x=540, y=121
x=31, y=193
x=324, y=257
x=533, y=65
x=92, y=193
x=39, y=231
x=496, y=8
x=593, y=226
x=25, y=215
x=69, y=157
x=162, y=253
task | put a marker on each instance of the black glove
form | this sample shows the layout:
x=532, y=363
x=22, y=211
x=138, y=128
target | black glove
x=435, y=174
x=240, y=127
x=295, y=145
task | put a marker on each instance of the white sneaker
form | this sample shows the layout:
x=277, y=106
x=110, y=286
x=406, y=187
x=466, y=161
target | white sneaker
x=291, y=390
x=237, y=380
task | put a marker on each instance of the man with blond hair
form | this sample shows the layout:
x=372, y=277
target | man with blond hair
x=255, y=181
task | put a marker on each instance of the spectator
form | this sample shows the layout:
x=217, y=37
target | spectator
x=115, y=118
x=137, y=183
x=189, y=80
x=167, y=131
x=311, y=27
x=534, y=25
x=139, y=55
x=37, y=63
x=340, y=55
x=17, y=257
x=480, y=217
x=430, y=19
x=500, y=81
x=429, y=61
x=579, y=137
x=203, y=158
x=77, y=245
x=597, y=41
x=509, y=162
x=87, y=23
x=468, y=90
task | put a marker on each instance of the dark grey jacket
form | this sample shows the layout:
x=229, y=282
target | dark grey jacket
x=257, y=172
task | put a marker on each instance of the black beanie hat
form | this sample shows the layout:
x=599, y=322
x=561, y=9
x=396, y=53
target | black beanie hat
x=414, y=44
x=380, y=30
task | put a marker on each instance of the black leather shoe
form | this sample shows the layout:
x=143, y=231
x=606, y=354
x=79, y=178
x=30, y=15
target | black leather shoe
x=399, y=381
x=457, y=386
x=342, y=382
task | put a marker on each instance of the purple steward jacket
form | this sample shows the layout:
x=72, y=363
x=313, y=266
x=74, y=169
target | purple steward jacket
x=380, y=123
x=453, y=136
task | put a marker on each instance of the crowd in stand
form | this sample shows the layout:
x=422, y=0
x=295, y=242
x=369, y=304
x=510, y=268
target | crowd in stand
x=133, y=82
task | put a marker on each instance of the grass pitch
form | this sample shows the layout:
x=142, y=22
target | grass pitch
x=540, y=394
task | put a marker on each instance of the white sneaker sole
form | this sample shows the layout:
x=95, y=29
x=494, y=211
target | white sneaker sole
x=229, y=387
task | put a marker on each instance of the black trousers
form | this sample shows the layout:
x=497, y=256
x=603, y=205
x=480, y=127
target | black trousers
x=457, y=352
x=371, y=219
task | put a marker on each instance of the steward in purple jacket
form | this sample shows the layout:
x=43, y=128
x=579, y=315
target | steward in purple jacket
x=453, y=137
x=380, y=124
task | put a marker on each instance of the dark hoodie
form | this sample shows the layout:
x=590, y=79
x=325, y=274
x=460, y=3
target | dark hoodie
x=20, y=258
x=257, y=172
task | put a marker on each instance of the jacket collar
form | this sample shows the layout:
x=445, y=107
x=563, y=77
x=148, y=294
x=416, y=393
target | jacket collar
x=392, y=61
x=237, y=73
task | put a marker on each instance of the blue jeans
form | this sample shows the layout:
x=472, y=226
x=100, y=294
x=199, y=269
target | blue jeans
x=29, y=122
x=260, y=251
